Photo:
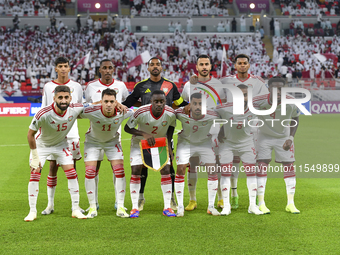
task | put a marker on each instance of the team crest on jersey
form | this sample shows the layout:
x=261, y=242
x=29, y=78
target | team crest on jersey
x=85, y=155
x=204, y=123
x=131, y=160
x=116, y=121
x=250, y=85
x=165, y=90
x=249, y=117
x=177, y=159
x=164, y=123
x=70, y=118
x=72, y=90
x=117, y=90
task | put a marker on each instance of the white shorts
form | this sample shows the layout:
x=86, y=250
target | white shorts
x=95, y=151
x=214, y=138
x=266, y=144
x=59, y=152
x=136, y=154
x=185, y=151
x=73, y=145
x=245, y=151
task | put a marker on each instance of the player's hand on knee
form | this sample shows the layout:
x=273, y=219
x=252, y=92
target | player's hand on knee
x=194, y=79
x=288, y=143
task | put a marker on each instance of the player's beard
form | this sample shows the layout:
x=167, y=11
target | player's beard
x=204, y=75
x=155, y=74
x=63, y=107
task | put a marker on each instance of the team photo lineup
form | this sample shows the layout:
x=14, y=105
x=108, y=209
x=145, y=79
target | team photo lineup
x=212, y=143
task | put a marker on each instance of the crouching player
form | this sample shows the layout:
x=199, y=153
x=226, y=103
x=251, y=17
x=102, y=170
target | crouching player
x=103, y=135
x=53, y=123
x=236, y=139
x=273, y=135
x=154, y=120
x=195, y=141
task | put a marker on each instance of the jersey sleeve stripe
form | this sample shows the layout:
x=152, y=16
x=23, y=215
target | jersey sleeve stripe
x=42, y=112
x=90, y=83
x=140, y=111
x=212, y=113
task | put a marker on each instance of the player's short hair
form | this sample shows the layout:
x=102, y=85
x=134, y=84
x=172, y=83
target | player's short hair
x=160, y=61
x=61, y=88
x=105, y=60
x=109, y=92
x=61, y=60
x=158, y=92
x=242, y=56
x=204, y=56
x=196, y=95
x=276, y=79
x=242, y=86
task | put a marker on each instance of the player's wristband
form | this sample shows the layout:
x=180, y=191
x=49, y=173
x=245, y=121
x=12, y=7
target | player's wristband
x=291, y=138
x=35, y=159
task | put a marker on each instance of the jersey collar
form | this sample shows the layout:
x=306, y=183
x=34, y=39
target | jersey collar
x=61, y=83
x=241, y=80
x=58, y=113
x=107, y=85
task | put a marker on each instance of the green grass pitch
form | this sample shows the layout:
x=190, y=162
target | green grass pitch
x=314, y=231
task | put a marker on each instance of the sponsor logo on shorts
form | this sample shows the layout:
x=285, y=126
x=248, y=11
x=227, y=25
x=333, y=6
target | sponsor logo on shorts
x=164, y=123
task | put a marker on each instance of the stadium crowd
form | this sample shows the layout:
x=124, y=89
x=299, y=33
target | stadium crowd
x=309, y=7
x=154, y=8
x=33, y=8
x=27, y=56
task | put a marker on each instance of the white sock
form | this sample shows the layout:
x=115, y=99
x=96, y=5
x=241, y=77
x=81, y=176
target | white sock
x=96, y=179
x=290, y=188
x=179, y=189
x=233, y=180
x=90, y=187
x=166, y=186
x=225, y=187
x=252, y=187
x=192, y=182
x=33, y=191
x=212, y=189
x=115, y=186
x=51, y=186
x=120, y=183
x=219, y=192
x=134, y=190
x=261, y=187
x=73, y=188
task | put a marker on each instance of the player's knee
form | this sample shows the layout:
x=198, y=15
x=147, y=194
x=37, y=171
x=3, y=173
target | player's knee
x=165, y=170
x=118, y=170
x=90, y=172
x=35, y=177
x=71, y=174
x=288, y=170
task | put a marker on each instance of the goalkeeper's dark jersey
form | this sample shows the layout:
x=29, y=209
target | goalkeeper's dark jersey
x=143, y=90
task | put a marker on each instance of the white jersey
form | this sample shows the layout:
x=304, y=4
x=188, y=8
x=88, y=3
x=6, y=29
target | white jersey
x=53, y=128
x=271, y=127
x=94, y=89
x=210, y=90
x=157, y=127
x=103, y=129
x=77, y=97
x=196, y=131
x=256, y=82
x=237, y=130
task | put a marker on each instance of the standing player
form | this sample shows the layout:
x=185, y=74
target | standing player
x=195, y=141
x=154, y=120
x=236, y=139
x=62, y=68
x=103, y=135
x=53, y=123
x=274, y=136
x=93, y=93
x=143, y=91
x=259, y=87
x=212, y=89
